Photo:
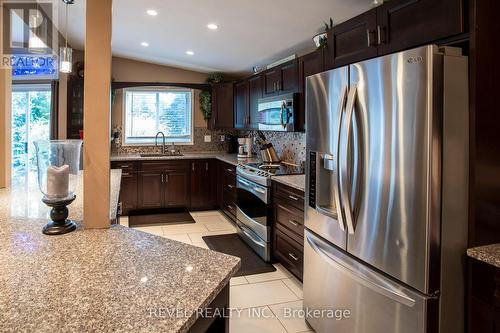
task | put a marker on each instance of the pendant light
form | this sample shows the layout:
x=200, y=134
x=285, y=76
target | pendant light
x=66, y=53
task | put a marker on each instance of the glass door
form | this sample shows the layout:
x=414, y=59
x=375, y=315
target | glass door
x=31, y=110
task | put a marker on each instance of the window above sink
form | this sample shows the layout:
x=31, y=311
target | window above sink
x=149, y=110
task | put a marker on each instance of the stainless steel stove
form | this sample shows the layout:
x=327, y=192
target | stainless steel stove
x=253, y=202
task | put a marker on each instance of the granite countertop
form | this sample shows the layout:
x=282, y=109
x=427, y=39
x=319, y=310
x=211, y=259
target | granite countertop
x=489, y=254
x=296, y=181
x=106, y=280
x=225, y=157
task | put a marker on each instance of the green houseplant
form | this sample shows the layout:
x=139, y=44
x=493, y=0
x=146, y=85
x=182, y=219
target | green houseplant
x=206, y=96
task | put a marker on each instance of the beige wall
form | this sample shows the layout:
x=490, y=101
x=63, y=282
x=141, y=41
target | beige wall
x=126, y=70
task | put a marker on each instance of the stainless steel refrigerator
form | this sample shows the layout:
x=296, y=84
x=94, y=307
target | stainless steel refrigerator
x=386, y=194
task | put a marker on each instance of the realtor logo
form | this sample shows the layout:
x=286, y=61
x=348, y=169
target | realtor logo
x=29, y=38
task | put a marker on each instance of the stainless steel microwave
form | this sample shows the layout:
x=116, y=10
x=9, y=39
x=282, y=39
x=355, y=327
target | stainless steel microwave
x=278, y=113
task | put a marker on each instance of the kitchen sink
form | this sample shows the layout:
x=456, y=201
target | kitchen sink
x=161, y=155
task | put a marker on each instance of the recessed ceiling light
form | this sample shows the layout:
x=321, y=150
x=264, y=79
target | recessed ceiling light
x=152, y=12
x=145, y=44
x=189, y=52
x=212, y=26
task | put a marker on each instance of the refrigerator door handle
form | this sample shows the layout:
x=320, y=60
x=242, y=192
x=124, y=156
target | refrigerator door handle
x=336, y=185
x=377, y=284
x=343, y=171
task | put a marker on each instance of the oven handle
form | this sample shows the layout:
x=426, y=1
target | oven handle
x=248, y=233
x=256, y=189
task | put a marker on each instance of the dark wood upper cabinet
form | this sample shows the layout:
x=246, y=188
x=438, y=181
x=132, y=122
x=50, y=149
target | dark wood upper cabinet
x=203, y=184
x=255, y=91
x=404, y=24
x=75, y=107
x=353, y=40
x=241, y=104
x=271, y=79
x=222, y=106
x=281, y=79
x=289, y=78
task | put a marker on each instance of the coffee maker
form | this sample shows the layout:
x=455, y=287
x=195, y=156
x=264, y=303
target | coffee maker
x=244, y=147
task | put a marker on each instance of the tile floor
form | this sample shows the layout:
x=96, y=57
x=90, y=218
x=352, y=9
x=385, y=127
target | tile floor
x=264, y=301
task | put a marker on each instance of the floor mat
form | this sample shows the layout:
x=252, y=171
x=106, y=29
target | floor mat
x=232, y=244
x=160, y=218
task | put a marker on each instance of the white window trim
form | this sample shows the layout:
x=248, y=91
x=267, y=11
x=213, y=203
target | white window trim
x=155, y=88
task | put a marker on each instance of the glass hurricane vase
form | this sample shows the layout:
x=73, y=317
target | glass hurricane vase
x=58, y=163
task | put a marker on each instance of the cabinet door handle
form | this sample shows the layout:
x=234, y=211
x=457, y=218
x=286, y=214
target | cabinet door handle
x=166, y=178
x=162, y=180
x=230, y=186
x=192, y=166
x=125, y=174
x=206, y=166
x=368, y=38
x=229, y=206
x=293, y=198
x=124, y=166
x=230, y=170
x=294, y=257
x=379, y=38
x=292, y=222
x=280, y=86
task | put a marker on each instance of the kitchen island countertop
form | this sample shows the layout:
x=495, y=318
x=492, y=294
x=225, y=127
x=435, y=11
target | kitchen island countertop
x=106, y=280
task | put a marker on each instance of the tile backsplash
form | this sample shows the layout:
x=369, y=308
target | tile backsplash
x=290, y=146
x=199, y=143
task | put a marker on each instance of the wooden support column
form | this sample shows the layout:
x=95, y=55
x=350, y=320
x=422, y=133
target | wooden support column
x=5, y=125
x=5, y=115
x=97, y=109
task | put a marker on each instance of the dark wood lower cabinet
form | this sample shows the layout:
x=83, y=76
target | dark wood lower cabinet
x=176, y=190
x=128, y=187
x=484, y=298
x=288, y=228
x=151, y=190
x=203, y=184
x=227, y=189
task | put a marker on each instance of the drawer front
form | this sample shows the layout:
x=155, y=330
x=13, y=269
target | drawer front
x=228, y=204
x=162, y=166
x=289, y=253
x=289, y=220
x=229, y=182
x=292, y=196
x=229, y=168
x=125, y=166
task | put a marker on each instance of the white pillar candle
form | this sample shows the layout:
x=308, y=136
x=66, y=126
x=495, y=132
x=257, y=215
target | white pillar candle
x=58, y=181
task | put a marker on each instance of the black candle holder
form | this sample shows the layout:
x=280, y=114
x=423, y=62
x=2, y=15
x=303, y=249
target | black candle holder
x=59, y=216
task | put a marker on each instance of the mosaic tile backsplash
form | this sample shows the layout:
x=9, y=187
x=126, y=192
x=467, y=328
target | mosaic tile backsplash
x=290, y=146
x=199, y=143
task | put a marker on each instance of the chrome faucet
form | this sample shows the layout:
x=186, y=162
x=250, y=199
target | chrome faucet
x=156, y=142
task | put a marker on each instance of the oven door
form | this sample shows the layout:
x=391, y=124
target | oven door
x=277, y=113
x=252, y=205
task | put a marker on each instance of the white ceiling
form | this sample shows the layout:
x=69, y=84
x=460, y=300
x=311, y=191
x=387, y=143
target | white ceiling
x=251, y=32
